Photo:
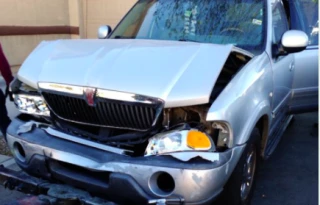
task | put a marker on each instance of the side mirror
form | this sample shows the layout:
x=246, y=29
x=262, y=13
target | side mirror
x=294, y=41
x=104, y=31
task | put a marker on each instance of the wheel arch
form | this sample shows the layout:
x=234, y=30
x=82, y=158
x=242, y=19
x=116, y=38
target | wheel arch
x=263, y=127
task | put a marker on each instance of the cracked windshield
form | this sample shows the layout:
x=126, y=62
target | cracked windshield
x=236, y=22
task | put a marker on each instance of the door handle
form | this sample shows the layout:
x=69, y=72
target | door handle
x=291, y=67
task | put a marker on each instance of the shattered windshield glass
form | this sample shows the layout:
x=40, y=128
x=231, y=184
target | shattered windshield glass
x=237, y=22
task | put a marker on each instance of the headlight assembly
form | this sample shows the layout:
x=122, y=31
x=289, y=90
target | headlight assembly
x=31, y=104
x=178, y=141
x=224, y=138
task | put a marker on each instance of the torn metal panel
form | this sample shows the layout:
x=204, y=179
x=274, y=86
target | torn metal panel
x=187, y=156
x=78, y=140
x=28, y=127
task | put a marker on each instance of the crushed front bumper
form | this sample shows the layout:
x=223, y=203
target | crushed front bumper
x=119, y=178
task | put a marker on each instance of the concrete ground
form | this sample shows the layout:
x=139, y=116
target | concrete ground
x=7, y=196
x=289, y=177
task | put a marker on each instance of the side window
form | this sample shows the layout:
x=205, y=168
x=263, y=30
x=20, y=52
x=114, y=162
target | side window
x=305, y=17
x=279, y=21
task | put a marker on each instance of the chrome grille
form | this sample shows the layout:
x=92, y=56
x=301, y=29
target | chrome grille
x=106, y=112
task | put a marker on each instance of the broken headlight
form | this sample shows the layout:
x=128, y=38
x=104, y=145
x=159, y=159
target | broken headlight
x=178, y=141
x=224, y=138
x=31, y=104
x=27, y=99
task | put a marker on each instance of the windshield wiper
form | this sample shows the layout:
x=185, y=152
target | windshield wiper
x=188, y=40
x=124, y=37
x=133, y=37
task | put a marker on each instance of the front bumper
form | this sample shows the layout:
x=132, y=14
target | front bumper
x=120, y=178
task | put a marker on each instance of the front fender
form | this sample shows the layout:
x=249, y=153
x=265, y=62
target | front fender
x=245, y=100
x=261, y=110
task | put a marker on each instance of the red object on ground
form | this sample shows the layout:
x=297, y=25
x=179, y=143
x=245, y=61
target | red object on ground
x=5, y=67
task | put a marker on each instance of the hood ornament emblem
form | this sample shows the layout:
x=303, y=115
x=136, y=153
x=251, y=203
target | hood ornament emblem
x=90, y=94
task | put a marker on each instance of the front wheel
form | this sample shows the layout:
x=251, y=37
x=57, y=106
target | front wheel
x=240, y=186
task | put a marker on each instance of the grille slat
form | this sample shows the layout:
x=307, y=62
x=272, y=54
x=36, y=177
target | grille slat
x=148, y=116
x=63, y=103
x=133, y=116
x=120, y=116
x=153, y=112
x=130, y=118
x=106, y=112
x=136, y=112
x=101, y=112
x=76, y=109
x=116, y=120
x=143, y=116
x=123, y=114
x=109, y=108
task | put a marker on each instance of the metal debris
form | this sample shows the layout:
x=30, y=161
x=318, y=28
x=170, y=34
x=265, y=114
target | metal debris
x=28, y=127
x=187, y=156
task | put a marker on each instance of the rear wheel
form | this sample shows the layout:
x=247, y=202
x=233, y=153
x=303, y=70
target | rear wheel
x=239, y=189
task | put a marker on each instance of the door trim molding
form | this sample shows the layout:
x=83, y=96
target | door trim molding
x=302, y=92
x=283, y=103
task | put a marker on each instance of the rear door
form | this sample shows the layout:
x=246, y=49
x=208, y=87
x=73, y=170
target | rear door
x=304, y=16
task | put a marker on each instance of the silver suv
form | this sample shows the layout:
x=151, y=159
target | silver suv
x=176, y=105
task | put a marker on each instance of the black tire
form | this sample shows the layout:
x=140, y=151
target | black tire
x=232, y=191
x=292, y=121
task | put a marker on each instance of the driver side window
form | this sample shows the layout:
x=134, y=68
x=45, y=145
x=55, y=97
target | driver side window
x=279, y=21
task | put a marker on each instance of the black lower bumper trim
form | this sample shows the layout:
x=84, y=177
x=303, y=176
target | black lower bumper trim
x=121, y=189
x=109, y=186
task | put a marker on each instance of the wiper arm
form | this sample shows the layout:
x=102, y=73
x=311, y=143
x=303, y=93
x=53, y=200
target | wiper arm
x=133, y=37
x=124, y=37
x=188, y=40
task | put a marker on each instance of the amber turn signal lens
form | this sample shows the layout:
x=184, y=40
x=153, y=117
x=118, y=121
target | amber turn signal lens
x=198, y=140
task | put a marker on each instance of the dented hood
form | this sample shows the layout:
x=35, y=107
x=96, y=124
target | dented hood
x=180, y=73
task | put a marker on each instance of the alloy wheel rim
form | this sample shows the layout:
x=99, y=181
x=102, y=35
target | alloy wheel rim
x=249, y=169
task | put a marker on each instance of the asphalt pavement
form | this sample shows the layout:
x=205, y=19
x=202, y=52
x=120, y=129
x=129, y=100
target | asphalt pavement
x=288, y=177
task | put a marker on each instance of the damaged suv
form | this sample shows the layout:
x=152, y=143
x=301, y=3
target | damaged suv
x=174, y=106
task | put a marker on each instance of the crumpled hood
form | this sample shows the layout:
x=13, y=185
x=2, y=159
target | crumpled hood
x=180, y=73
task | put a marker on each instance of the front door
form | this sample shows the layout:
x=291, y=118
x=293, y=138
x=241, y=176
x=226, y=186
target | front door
x=304, y=16
x=283, y=66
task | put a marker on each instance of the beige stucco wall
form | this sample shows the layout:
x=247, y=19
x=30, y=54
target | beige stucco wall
x=17, y=48
x=35, y=13
x=88, y=15
x=73, y=6
x=103, y=12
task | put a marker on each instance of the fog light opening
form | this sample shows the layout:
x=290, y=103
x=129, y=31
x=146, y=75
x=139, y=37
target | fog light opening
x=165, y=182
x=162, y=184
x=19, y=152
